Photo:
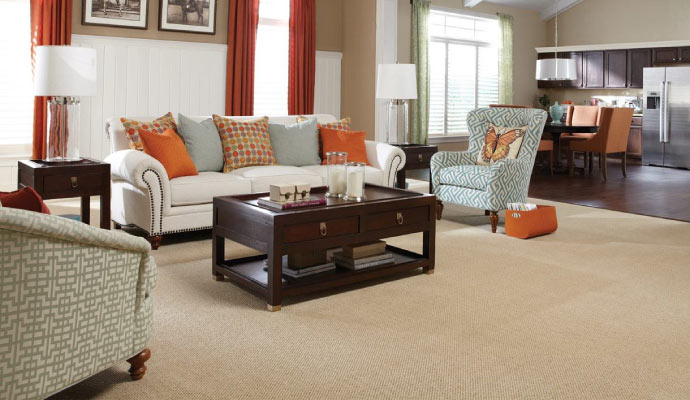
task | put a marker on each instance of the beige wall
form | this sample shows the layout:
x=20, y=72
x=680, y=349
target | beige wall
x=359, y=64
x=528, y=32
x=328, y=26
x=622, y=21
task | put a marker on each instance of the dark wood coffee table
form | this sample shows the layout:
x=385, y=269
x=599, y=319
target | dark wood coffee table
x=385, y=213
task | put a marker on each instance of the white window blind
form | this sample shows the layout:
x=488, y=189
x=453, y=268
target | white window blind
x=463, y=65
x=16, y=84
x=271, y=62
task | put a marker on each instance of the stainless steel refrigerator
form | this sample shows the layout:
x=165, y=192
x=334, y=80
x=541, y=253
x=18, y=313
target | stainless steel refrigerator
x=666, y=122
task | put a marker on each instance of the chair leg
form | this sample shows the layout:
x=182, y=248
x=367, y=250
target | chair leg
x=493, y=218
x=439, y=209
x=486, y=212
x=551, y=162
x=602, y=157
x=624, y=161
x=138, y=367
x=591, y=163
x=571, y=162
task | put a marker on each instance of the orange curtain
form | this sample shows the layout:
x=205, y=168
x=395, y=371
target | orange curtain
x=243, y=20
x=302, y=62
x=51, y=24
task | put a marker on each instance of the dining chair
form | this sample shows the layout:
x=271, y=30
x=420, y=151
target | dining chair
x=579, y=115
x=612, y=137
x=545, y=145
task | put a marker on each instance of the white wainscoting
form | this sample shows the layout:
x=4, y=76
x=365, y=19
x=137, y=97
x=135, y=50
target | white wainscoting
x=140, y=77
x=327, y=83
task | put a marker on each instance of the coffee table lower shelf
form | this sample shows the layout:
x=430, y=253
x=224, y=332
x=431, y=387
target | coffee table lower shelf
x=250, y=273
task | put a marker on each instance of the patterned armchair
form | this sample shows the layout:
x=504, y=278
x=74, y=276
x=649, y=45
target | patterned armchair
x=456, y=177
x=74, y=300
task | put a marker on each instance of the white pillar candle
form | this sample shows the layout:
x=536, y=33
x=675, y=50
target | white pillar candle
x=336, y=181
x=355, y=183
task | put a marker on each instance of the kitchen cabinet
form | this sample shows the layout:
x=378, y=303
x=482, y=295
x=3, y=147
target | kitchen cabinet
x=684, y=54
x=638, y=60
x=593, y=65
x=577, y=82
x=615, y=69
x=665, y=55
x=635, y=138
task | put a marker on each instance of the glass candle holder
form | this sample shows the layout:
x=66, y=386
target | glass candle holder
x=336, y=173
x=355, y=181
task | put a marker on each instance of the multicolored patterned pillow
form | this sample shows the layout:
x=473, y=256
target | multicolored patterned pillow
x=342, y=125
x=501, y=142
x=158, y=125
x=245, y=143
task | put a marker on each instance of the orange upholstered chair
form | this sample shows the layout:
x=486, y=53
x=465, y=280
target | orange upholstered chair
x=544, y=144
x=612, y=137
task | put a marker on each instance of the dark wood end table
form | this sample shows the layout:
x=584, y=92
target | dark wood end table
x=83, y=179
x=418, y=157
x=386, y=212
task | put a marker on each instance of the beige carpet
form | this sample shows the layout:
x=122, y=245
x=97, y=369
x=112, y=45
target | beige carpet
x=598, y=310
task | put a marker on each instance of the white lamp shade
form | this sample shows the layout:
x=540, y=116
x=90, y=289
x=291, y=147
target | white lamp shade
x=552, y=69
x=65, y=71
x=396, y=82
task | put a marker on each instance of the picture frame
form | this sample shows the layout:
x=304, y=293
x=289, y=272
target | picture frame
x=116, y=13
x=192, y=16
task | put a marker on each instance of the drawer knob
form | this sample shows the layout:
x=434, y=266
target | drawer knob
x=74, y=181
x=400, y=218
x=323, y=229
x=420, y=158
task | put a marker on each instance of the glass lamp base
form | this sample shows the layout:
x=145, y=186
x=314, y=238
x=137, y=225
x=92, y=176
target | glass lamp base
x=398, y=122
x=62, y=130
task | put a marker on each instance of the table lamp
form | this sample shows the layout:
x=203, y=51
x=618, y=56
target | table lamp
x=63, y=73
x=397, y=83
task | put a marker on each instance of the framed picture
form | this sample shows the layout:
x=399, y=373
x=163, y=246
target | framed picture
x=123, y=13
x=198, y=16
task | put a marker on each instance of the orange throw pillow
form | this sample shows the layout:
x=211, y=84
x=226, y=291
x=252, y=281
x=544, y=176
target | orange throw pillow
x=351, y=142
x=169, y=149
x=25, y=198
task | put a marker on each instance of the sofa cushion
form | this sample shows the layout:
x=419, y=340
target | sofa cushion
x=202, y=142
x=25, y=198
x=371, y=174
x=158, y=125
x=342, y=125
x=263, y=176
x=296, y=144
x=245, y=143
x=204, y=187
x=350, y=142
x=467, y=176
x=168, y=148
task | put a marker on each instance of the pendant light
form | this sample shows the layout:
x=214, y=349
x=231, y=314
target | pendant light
x=556, y=69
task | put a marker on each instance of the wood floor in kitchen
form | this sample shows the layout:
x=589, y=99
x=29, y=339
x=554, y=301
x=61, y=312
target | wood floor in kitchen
x=654, y=191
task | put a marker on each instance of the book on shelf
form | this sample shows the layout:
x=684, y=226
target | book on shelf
x=274, y=205
x=356, y=264
x=298, y=273
x=363, y=250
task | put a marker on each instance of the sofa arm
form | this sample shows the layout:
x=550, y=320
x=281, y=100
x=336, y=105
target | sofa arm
x=389, y=159
x=444, y=159
x=147, y=174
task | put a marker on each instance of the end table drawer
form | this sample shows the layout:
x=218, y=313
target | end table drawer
x=391, y=219
x=77, y=184
x=321, y=230
x=422, y=158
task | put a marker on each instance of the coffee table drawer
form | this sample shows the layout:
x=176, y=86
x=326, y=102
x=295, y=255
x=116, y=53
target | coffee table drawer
x=390, y=219
x=321, y=230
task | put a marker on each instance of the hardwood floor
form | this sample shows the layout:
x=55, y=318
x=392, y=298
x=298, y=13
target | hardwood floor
x=654, y=191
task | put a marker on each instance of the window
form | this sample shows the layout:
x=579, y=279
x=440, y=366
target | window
x=16, y=82
x=272, y=53
x=463, y=69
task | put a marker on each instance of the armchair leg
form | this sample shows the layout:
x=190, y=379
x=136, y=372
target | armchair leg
x=138, y=367
x=486, y=212
x=493, y=218
x=439, y=209
x=155, y=241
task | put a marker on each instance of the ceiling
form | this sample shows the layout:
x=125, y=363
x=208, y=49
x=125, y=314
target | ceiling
x=547, y=8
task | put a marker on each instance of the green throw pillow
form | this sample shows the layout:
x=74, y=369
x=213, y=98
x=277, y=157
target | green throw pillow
x=296, y=145
x=202, y=142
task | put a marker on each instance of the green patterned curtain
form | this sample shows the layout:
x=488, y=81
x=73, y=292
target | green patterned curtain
x=505, y=85
x=420, y=57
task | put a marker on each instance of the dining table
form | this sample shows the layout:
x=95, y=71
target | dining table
x=556, y=129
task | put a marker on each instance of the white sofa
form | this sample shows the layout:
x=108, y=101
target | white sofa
x=143, y=196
